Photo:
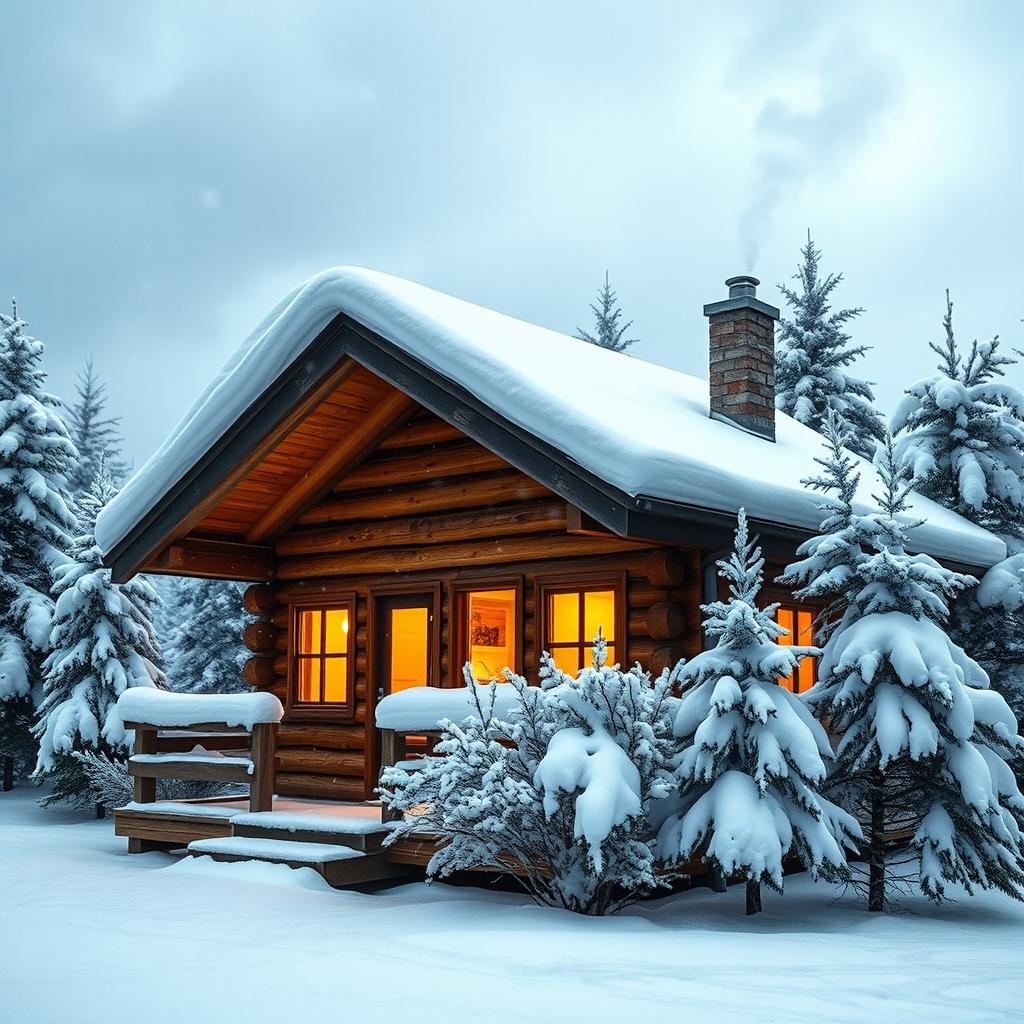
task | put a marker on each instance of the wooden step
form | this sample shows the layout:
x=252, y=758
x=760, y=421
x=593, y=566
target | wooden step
x=365, y=832
x=173, y=823
x=339, y=866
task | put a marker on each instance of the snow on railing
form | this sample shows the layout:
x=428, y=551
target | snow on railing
x=423, y=708
x=167, y=710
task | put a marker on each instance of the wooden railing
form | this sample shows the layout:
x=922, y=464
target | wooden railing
x=238, y=755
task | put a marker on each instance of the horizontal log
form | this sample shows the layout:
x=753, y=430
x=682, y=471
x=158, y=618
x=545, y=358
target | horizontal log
x=440, y=556
x=327, y=787
x=260, y=599
x=329, y=737
x=259, y=672
x=667, y=567
x=513, y=520
x=260, y=636
x=441, y=463
x=662, y=658
x=219, y=560
x=643, y=595
x=320, y=762
x=498, y=489
x=666, y=620
x=183, y=743
x=421, y=432
x=281, y=618
x=200, y=771
x=638, y=625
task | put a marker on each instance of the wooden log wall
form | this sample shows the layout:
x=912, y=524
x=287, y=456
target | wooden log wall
x=432, y=506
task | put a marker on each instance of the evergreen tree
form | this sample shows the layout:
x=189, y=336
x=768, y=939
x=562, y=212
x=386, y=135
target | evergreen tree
x=36, y=455
x=754, y=755
x=102, y=642
x=812, y=354
x=608, y=331
x=204, y=649
x=963, y=435
x=95, y=435
x=925, y=742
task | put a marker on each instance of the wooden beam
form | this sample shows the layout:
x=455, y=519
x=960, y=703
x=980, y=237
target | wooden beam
x=538, y=517
x=422, y=432
x=344, y=456
x=453, y=461
x=215, y=559
x=478, y=492
x=449, y=556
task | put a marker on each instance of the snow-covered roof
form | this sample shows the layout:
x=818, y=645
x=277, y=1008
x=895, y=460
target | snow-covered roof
x=640, y=427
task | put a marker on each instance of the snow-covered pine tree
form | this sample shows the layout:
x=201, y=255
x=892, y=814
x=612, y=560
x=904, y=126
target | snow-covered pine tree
x=102, y=642
x=812, y=354
x=924, y=740
x=95, y=434
x=203, y=645
x=754, y=761
x=608, y=331
x=569, y=801
x=962, y=432
x=36, y=455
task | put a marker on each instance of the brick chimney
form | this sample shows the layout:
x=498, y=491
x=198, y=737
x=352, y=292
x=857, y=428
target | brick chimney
x=742, y=358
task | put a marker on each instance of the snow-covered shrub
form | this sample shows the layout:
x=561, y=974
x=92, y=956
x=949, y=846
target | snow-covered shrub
x=754, y=755
x=101, y=643
x=922, y=757
x=109, y=785
x=561, y=789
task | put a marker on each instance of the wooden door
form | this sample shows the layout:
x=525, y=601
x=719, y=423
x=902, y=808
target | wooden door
x=406, y=639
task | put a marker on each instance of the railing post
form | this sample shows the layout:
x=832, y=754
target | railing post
x=144, y=790
x=392, y=750
x=264, y=746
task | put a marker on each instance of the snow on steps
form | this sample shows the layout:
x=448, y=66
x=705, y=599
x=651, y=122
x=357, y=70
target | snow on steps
x=338, y=865
x=358, y=828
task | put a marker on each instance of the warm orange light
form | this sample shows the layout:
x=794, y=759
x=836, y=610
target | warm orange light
x=492, y=632
x=800, y=624
x=322, y=667
x=573, y=620
x=409, y=648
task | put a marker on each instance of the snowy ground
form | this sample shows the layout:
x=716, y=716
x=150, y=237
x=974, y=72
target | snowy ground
x=88, y=933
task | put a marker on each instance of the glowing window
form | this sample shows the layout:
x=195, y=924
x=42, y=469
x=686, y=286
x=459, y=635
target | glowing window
x=800, y=623
x=572, y=618
x=409, y=662
x=322, y=656
x=489, y=631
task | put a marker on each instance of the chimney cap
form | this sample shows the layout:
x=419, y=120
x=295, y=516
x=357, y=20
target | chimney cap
x=742, y=295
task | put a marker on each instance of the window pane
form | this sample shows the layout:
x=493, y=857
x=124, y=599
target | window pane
x=491, y=632
x=784, y=617
x=564, y=618
x=806, y=675
x=337, y=631
x=409, y=648
x=309, y=632
x=567, y=659
x=805, y=629
x=336, y=680
x=599, y=611
x=309, y=679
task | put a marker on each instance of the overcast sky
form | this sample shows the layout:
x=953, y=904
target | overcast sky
x=168, y=170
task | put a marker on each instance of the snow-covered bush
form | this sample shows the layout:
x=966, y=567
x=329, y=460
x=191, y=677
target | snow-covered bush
x=922, y=757
x=754, y=755
x=109, y=784
x=561, y=789
x=36, y=455
x=101, y=644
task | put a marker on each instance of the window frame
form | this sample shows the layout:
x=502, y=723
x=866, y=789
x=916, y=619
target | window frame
x=334, y=710
x=796, y=607
x=458, y=604
x=571, y=583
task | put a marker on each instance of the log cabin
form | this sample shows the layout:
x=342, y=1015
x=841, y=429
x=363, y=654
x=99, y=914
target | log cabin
x=410, y=483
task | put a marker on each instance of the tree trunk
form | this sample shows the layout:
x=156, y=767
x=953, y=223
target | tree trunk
x=876, y=852
x=753, y=898
x=7, y=768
